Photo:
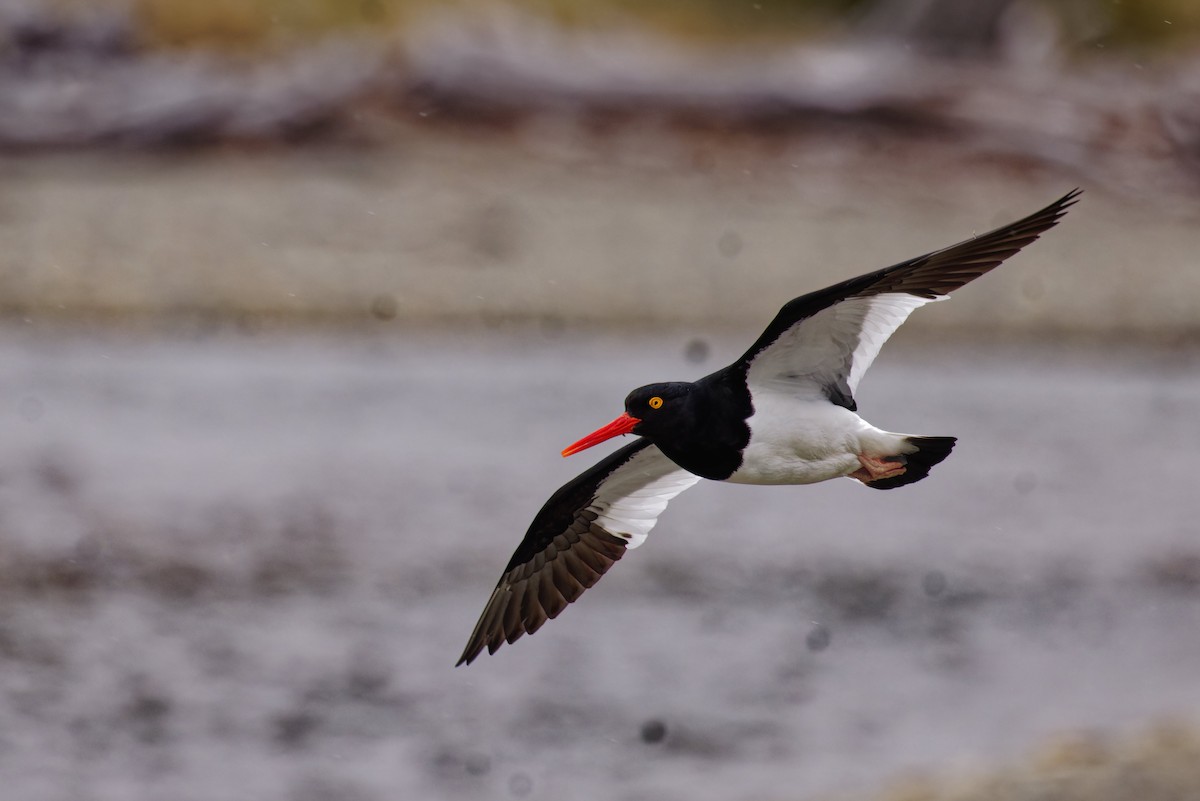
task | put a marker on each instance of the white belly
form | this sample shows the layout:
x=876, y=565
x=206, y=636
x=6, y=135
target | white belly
x=798, y=440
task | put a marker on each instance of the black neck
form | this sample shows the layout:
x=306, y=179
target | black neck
x=709, y=437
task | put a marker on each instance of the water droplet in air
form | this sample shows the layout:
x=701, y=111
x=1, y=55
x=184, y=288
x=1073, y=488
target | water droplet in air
x=384, y=307
x=696, y=351
x=818, y=638
x=654, y=731
x=520, y=785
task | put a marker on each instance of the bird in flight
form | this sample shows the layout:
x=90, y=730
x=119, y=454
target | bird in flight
x=783, y=413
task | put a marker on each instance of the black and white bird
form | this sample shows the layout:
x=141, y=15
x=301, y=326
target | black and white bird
x=783, y=413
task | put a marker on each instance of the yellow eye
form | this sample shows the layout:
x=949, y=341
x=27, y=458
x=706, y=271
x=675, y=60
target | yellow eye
x=656, y=402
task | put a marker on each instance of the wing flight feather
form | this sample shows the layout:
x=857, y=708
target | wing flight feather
x=578, y=535
x=827, y=339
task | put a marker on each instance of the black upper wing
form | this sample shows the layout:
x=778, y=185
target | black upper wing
x=576, y=537
x=857, y=315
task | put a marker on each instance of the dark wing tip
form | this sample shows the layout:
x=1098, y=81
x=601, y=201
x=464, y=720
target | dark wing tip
x=538, y=590
x=1047, y=218
x=943, y=271
x=1069, y=199
x=1055, y=211
x=564, y=552
x=929, y=276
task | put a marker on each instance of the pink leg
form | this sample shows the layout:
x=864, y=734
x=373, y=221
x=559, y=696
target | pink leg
x=874, y=469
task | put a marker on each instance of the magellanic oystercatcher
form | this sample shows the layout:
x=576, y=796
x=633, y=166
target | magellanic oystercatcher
x=784, y=413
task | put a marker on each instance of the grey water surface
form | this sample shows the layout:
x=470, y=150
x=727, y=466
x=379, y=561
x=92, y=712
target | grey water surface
x=242, y=567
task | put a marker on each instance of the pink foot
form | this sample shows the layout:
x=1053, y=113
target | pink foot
x=874, y=469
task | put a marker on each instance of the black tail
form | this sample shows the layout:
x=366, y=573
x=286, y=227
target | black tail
x=930, y=451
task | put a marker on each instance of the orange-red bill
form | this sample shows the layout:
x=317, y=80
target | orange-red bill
x=622, y=425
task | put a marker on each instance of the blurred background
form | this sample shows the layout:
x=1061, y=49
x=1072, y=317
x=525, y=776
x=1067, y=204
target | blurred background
x=302, y=298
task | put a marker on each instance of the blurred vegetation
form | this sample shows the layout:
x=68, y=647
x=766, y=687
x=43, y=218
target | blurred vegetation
x=1154, y=21
x=1161, y=765
x=1141, y=24
x=257, y=22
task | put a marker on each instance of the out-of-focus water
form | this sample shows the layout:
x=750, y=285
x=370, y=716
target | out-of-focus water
x=242, y=568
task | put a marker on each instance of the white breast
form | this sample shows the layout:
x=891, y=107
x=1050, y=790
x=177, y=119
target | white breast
x=799, y=439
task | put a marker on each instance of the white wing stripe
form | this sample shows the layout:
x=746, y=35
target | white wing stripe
x=630, y=500
x=882, y=316
x=832, y=349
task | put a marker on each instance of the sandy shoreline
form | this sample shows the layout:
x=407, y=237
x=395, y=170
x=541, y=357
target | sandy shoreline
x=453, y=226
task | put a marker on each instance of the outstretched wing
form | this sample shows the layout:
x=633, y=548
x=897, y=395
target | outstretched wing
x=577, y=536
x=827, y=339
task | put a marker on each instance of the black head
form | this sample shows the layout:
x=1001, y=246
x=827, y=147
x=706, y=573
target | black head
x=700, y=426
x=654, y=410
x=658, y=407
